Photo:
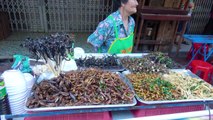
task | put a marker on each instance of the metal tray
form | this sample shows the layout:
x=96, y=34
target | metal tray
x=186, y=72
x=134, y=55
x=101, y=55
x=137, y=55
x=119, y=55
x=84, y=106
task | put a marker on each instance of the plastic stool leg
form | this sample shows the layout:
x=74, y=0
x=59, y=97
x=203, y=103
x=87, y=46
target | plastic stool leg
x=206, y=77
x=194, y=70
x=202, y=74
x=189, y=54
x=189, y=67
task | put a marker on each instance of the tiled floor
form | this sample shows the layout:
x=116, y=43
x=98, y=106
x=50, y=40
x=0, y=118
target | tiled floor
x=11, y=45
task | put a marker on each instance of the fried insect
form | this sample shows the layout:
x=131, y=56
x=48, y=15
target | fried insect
x=107, y=62
x=162, y=58
x=152, y=87
x=88, y=87
x=139, y=65
x=53, y=48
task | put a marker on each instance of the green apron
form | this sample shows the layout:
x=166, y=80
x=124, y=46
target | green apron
x=120, y=45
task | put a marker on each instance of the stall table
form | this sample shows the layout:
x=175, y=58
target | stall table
x=140, y=110
x=145, y=110
x=204, y=40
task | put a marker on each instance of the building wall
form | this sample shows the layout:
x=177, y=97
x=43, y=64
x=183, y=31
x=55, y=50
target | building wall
x=55, y=15
x=200, y=16
x=77, y=15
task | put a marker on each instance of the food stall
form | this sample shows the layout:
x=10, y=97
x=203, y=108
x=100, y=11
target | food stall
x=71, y=84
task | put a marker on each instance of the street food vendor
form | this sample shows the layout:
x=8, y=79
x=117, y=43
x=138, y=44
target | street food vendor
x=115, y=33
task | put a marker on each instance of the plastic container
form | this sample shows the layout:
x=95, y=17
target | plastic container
x=79, y=53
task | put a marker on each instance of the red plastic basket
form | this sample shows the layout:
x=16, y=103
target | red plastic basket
x=81, y=116
x=160, y=111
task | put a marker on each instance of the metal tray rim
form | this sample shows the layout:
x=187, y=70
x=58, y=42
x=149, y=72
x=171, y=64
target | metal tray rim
x=79, y=107
x=171, y=101
x=134, y=102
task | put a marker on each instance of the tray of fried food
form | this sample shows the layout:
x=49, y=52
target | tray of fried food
x=190, y=85
x=81, y=89
x=169, y=88
x=103, y=61
x=152, y=89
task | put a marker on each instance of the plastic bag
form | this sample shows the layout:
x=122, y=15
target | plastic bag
x=21, y=63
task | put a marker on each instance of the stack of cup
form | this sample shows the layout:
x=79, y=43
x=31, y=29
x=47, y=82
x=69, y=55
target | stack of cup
x=17, y=90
